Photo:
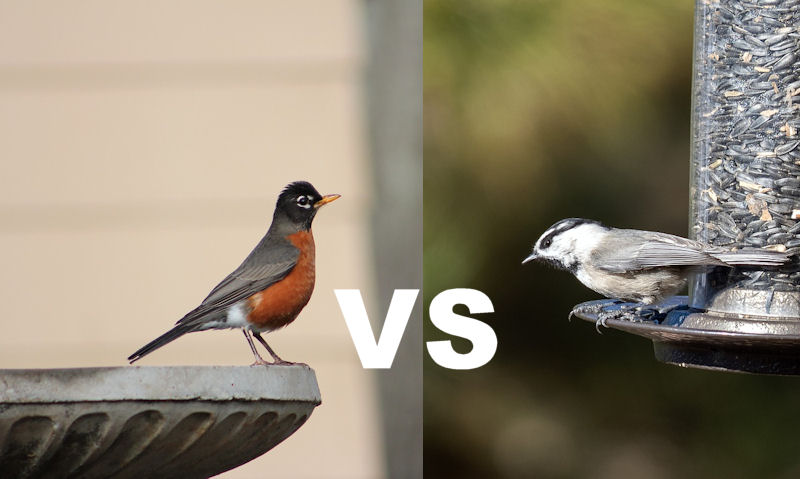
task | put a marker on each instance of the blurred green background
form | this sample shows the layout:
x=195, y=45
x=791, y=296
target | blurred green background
x=536, y=111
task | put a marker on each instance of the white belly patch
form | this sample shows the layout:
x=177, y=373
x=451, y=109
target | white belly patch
x=237, y=316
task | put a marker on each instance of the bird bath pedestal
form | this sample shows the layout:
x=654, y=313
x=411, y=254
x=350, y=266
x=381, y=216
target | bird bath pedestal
x=188, y=422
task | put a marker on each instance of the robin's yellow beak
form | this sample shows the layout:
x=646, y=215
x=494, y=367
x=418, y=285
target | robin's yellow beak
x=325, y=200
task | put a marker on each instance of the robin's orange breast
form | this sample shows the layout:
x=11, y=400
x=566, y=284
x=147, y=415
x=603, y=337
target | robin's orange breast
x=279, y=304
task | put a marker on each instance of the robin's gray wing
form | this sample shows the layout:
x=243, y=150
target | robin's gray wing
x=632, y=250
x=264, y=266
x=269, y=263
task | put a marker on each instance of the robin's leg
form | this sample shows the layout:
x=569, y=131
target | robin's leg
x=259, y=361
x=277, y=359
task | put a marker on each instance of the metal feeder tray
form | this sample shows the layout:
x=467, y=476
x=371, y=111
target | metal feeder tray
x=694, y=338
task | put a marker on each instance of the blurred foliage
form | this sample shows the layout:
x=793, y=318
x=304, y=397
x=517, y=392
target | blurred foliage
x=537, y=111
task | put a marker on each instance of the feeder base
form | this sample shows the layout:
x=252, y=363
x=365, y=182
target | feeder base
x=693, y=338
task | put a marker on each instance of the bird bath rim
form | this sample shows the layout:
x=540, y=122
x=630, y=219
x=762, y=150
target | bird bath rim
x=160, y=383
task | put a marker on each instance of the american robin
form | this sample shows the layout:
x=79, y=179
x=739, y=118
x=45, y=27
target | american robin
x=273, y=284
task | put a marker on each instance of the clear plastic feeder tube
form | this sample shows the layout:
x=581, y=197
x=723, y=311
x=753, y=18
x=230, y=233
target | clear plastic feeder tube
x=745, y=163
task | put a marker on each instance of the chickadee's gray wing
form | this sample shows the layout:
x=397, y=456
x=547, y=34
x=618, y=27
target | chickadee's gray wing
x=634, y=250
x=670, y=250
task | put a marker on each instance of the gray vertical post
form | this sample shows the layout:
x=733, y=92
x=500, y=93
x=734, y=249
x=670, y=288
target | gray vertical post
x=394, y=116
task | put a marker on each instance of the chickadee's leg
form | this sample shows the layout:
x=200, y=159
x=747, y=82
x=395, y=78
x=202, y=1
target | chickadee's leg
x=635, y=312
x=618, y=309
x=592, y=309
x=625, y=311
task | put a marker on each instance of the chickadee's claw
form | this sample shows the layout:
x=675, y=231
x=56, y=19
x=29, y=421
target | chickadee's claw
x=601, y=321
x=603, y=315
x=588, y=309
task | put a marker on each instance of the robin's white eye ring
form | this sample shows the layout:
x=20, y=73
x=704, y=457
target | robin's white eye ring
x=303, y=202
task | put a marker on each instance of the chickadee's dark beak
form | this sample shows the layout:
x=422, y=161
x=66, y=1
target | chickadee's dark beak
x=325, y=200
x=529, y=258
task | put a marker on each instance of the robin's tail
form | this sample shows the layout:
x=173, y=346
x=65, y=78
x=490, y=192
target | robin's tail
x=166, y=338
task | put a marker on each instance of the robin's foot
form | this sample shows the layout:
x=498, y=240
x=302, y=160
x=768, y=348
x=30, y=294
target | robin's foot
x=260, y=362
x=278, y=361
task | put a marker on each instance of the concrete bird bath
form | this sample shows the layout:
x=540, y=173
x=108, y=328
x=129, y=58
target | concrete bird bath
x=187, y=422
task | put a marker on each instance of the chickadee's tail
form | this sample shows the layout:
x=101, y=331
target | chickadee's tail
x=166, y=338
x=753, y=257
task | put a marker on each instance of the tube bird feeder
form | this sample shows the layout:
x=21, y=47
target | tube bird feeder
x=745, y=192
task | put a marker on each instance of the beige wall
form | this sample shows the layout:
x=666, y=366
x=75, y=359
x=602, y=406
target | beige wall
x=142, y=148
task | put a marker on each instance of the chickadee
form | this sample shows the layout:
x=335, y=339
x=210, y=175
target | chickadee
x=633, y=265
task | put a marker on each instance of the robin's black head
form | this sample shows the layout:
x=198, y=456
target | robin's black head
x=298, y=204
